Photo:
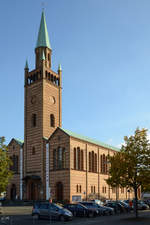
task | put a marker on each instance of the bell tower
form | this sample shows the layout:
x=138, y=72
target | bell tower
x=42, y=109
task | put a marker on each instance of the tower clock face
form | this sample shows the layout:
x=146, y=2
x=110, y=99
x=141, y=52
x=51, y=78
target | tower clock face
x=52, y=100
x=33, y=99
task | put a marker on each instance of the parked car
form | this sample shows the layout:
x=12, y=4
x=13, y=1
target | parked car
x=51, y=211
x=80, y=210
x=142, y=205
x=89, y=205
x=102, y=210
x=147, y=202
x=126, y=206
x=97, y=201
x=118, y=208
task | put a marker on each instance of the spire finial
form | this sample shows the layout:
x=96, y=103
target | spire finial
x=26, y=65
x=43, y=38
x=43, y=6
x=43, y=56
x=59, y=67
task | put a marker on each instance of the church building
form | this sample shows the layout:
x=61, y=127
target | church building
x=53, y=162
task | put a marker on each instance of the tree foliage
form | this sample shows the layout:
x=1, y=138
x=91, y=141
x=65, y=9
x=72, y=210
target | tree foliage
x=5, y=162
x=131, y=166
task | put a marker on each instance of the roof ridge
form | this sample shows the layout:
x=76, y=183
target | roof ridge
x=91, y=140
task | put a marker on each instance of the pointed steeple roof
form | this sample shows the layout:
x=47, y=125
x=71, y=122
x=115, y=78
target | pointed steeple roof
x=43, y=56
x=26, y=65
x=59, y=67
x=43, y=38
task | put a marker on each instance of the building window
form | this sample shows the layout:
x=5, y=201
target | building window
x=14, y=166
x=34, y=120
x=33, y=150
x=122, y=190
x=92, y=162
x=78, y=188
x=78, y=153
x=54, y=159
x=113, y=190
x=91, y=189
x=104, y=162
x=75, y=158
x=82, y=160
x=59, y=158
x=52, y=120
x=78, y=159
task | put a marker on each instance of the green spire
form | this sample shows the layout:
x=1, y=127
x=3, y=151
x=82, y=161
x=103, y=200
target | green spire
x=43, y=39
x=59, y=67
x=43, y=56
x=26, y=65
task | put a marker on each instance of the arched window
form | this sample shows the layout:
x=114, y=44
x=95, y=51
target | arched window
x=59, y=158
x=34, y=120
x=64, y=158
x=95, y=163
x=90, y=162
x=101, y=163
x=75, y=158
x=78, y=153
x=104, y=162
x=106, y=169
x=33, y=150
x=82, y=160
x=54, y=159
x=52, y=120
x=77, y=189
x=48, y=57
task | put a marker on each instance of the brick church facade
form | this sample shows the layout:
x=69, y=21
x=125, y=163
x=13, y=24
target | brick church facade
x=51, y=161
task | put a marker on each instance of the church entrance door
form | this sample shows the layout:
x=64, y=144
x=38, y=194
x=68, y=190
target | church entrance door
x=13, y=192
x=59, y=191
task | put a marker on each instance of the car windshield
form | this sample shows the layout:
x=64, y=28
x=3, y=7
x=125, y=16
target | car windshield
x=58, y=206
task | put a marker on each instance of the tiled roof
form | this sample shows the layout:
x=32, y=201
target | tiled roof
x=87, y=139
x=43, y=38
x=20, y=142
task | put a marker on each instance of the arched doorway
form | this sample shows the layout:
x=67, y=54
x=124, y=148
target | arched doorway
x=59, y=191
x=13, y=192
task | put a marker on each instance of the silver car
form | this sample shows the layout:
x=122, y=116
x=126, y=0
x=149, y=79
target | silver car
x=51, y=211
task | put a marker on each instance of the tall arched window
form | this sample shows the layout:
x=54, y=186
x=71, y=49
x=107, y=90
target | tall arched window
x=79, y=160
x=75, y=158
x=54, y=159
x=33, y=120
x=104, y=163
x=64, y=158
x=82, y=160
x=59, y=158
x=90, y=162
x=95, y=163
x=52, y=120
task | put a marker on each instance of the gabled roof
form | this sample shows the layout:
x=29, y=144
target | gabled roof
x=87, y=139
x=43, y=38
x=20, y=142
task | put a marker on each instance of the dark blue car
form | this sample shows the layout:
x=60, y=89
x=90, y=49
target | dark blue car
x=80, y=210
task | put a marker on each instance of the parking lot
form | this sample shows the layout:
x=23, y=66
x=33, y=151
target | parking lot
x=22, y=216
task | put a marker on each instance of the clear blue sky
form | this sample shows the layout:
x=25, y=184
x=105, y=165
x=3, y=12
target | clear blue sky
x=104, y=49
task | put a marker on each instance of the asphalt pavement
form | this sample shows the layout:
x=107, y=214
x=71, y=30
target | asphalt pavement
x=22, y=216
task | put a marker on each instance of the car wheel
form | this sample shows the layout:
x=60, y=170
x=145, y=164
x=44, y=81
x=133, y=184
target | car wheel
x=75, y=213
x=36, y=216
x=62, y=218
x=91, y=214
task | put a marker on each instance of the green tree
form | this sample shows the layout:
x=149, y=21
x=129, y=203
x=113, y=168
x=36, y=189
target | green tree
x=131, y=166
x=5, y=162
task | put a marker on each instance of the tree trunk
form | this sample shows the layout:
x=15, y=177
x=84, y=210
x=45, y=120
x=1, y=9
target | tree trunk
x=136, y=203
